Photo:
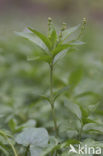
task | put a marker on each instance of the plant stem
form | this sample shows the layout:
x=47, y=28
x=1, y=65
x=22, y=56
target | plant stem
x=27, y=151
x=80, y=132
x=52, y=99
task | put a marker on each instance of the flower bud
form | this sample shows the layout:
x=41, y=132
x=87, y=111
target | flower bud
x=84, y=21
x=64, y=26
x=49, y=20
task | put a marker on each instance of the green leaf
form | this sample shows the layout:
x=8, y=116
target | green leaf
x=45, y=97
x=74, y=108
x=93, y=127
x=69, y=31
x=76, y=43
x=53, y=37
x=59, y=48
x=68, y=142
x=61, y=91
x=33, y=136
x=88, y=93
x=30, y=123
x=30, y=36
x=42, y=37
x=60, y=55
x=12, y=124
x=75, y=77
x=85, y=112
x=44, y=58
x=87, y=120
x=41, y=96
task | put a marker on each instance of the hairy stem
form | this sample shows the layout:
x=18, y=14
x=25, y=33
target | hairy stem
x=52, y=100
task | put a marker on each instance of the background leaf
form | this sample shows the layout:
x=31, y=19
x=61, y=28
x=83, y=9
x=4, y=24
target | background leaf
x=33, y=136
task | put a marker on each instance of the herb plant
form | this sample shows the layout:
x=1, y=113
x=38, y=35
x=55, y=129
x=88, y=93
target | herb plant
x=53, y=47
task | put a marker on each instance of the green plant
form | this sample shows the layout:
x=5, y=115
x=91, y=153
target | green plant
x=53, y=47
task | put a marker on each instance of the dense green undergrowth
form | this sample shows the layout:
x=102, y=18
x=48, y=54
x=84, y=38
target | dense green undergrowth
x=51, y=93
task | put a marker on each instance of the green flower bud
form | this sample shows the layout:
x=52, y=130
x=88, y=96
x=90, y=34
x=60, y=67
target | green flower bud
x=60, y=35
x=84, y=21
x=49, y=19
x=64, y=26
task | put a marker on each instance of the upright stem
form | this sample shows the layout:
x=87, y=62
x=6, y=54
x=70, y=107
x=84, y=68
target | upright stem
x=80, y=132
x=52, y=100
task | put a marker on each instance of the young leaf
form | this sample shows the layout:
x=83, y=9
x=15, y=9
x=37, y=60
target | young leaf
x=60, y=55
x=44, y=58
x=42, y=37
x=75, y=77
x=30, y=36
x=53, y=37
x=68, y=32
x=76, y=43
x=59, y=48
x=12, y=124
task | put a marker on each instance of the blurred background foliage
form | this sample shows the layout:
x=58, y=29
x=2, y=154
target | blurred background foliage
x=21, y=81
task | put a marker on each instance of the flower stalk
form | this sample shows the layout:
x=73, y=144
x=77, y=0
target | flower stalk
x=52, y=99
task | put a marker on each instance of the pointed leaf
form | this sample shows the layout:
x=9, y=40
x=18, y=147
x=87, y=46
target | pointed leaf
x=75, y=77
x=60, y=55
x=53, y=37
x=69, y=31
x=88, y=93
x=59, y=48
x=29, y=36
x=12, y=124
x=44, y=58
x=77, y=43
x=42, y=37
x=41, y=96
